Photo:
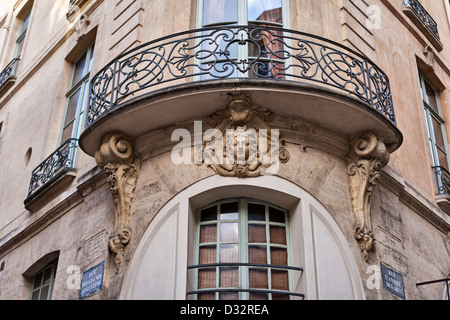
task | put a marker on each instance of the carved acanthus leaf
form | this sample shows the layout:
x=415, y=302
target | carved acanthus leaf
x=367, y=157
x=116, y=158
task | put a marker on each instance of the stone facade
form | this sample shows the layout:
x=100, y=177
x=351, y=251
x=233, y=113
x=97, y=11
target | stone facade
x=372, y=180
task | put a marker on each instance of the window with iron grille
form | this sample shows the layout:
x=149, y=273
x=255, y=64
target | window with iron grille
x=265, y=46
x=242, y=252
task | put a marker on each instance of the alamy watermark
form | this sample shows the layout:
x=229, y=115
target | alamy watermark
x=240, y=147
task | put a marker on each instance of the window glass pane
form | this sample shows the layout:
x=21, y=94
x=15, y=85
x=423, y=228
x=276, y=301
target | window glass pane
x=442, y=159
x=431, y=96
x=207, y=296
x=265, y=10
x=258, y=278
x=72, y=107
x=256, y=233
x=229, y=296
x=44, y=293
x=280, y=280
x=207, y=255
x=19, y=47
x=229, y=232
x=438, y=133
x=35, y=295
x=257, y=254
x=208, y=233
x=207, y=278
x=278, y=256
x=47, y=275
x=229, y=277
x=67, y=133
x=258, y=296
x=79, y=71
x=91, y=58
x=276, y=215
x=215, y=11
x=25, y=23
x=38, y=280
x=229, y=253
x=278, y=235
x=229, y=211
x=209, y=214
x=256, y=212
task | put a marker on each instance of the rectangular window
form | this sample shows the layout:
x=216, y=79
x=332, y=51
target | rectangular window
x=42, y=283
x=22, y=34
x=242, y=252
x=435, y=124
x=77, y=96
x=436, y=131
x=259, y=51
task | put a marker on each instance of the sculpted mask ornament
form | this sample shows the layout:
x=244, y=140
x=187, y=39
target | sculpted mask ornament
x=116, y=158
x=367, y=157
x=242, y=144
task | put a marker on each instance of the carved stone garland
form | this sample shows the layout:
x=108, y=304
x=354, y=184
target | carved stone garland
x=241, y=130
x=367, y=157
x=116, y=158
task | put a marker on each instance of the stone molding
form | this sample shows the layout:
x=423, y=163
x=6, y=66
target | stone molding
x=116, y=158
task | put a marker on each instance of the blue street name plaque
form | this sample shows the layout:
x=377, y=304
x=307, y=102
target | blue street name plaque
x=92, y=280
x=392, y=281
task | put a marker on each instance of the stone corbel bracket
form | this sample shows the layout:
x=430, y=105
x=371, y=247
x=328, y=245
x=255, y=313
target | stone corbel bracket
x=367, y=157
x=116, y=158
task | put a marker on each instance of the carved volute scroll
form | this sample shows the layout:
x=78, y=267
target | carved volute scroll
x=116, y=158
x=367, y=157
x=244, y=144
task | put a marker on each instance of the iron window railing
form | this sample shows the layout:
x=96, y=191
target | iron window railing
x=9, y=72
x=60, y=160
x=250, y=290
x=212, y=53
x=442, y=180
x=423, y=15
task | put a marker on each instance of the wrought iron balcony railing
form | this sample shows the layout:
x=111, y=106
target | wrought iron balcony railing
x=53, y=166
x=259, y=291
x=423, y=15
x=9, y=72
x=252, y=51
x=442, y=180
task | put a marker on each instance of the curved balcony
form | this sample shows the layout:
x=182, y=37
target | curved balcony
x=184, y=77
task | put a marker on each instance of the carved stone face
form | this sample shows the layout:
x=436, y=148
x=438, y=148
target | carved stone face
x=240, y=112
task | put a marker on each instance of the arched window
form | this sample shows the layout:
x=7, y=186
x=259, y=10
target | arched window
x=288, y=246
x=242, y=251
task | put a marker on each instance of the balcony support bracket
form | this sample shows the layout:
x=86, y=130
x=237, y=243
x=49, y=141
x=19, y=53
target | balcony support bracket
x=367, y=157
x=116, y=158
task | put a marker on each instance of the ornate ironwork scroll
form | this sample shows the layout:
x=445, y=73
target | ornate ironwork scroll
x=367, y=157
x=442, y=180
x=9, y=72
x=216, y=53
x=50, y=168
x=116, y=158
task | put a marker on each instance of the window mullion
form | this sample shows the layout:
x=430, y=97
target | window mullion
x=243, y=249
